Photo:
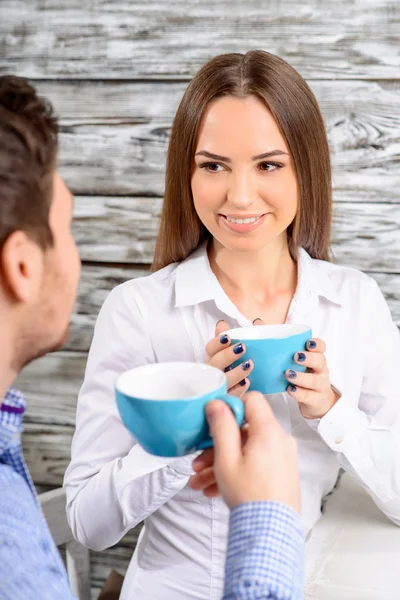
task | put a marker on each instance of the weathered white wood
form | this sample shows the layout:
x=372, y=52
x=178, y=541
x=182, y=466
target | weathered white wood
x=365, y=235
x=113, y=229
x=136, y=39
x=128, y=156
x=47, y=449
x=96, y=283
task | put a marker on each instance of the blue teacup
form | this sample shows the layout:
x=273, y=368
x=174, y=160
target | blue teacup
x=162, y=405
x=272, y=349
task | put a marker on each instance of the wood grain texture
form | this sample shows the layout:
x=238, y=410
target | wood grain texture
x=97, y=281
x=159, y=39
x=114, y=136
x=365, y=235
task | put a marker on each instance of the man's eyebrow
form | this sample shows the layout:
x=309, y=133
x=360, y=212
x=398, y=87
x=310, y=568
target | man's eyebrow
x=227, y=159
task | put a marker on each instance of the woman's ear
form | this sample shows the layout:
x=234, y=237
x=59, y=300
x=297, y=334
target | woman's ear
x=21, y=267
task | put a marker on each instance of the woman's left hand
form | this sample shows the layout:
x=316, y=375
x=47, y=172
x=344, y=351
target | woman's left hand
x=312, y=389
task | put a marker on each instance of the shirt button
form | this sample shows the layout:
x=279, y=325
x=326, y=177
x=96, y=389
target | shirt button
x=339, y=440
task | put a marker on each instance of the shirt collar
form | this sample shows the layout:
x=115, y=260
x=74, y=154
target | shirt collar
x=12, y=409
x=195, y=281
x=314, y=280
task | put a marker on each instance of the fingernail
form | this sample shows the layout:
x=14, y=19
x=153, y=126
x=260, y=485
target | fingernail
x=246, y=365
x=243, y=382
x=301, y=357
x=311, y=344
x=257, y=319
x=228, y=368
x=292, y=388
x=292, y=374
x=224, y=339
x=220, y=321
x=238, y=349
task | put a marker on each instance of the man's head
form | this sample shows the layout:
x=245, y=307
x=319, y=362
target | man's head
x=39, y=262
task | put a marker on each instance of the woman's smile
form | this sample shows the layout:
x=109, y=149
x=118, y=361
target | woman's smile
x=242, y=223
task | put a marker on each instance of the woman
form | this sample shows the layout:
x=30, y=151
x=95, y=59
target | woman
x=244, y=235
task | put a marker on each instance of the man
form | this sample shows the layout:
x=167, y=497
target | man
x=39, y=274
x=257, y=476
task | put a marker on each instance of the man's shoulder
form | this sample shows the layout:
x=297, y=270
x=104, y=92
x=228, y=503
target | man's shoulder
x=26, y=546
x=18, y=507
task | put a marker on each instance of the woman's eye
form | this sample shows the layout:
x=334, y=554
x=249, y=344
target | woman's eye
x=270, y=166
x=212, y=167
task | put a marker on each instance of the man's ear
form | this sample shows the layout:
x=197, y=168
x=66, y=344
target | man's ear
x=21, y=267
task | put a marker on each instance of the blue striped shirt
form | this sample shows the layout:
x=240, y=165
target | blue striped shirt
x=30, y=564
x=265, y=557
x=265, y=549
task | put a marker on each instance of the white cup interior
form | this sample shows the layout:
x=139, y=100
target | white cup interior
x=170, y=381
x=264, y=332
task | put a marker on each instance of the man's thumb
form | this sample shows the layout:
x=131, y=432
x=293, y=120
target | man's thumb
x=224, y=431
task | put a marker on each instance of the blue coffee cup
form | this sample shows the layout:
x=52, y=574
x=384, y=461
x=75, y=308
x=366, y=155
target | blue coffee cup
x=162, y=405
x=272, y=349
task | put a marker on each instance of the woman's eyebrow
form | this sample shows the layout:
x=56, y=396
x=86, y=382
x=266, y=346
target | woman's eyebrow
x=226, y=159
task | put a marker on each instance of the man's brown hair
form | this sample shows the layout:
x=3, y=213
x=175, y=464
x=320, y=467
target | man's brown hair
x=28, y=155
x=295, y=110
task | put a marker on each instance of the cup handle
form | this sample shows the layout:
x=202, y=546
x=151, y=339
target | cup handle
x=237, y=407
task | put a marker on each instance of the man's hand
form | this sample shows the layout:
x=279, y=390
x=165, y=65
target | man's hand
x=259, y=463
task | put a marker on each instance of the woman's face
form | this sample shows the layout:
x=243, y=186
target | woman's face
x=243, y=183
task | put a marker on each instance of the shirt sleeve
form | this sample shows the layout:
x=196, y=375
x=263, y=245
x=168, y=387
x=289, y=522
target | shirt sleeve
x=30, y=565
x=112, y=484
x=366, y=437
x=265, y=557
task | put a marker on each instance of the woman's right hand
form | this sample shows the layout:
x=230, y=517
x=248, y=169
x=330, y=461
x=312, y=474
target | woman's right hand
x=222, y=355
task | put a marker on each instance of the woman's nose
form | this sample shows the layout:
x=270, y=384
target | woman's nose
x=241, y=193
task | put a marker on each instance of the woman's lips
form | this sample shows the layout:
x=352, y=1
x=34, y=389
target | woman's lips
x=243, y=227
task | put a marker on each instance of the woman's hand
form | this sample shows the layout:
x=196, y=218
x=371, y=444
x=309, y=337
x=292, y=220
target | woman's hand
x=312, y=389
x=222, y=355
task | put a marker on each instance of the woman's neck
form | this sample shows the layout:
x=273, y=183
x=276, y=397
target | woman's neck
x=258, y=283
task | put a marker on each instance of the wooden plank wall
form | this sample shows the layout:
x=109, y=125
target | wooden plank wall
x=115, y=72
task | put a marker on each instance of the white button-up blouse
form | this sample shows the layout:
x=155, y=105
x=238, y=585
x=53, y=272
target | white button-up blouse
x=112, y=484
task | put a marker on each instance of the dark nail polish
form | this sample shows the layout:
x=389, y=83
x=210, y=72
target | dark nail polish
x=292, y=388
x=238, y=349
x=301, y=357
x=257, y=319
x=292, y=374
x=224, y=339
x=228, y=369
x=243, y=382
x=311, y=344
x=246, y=365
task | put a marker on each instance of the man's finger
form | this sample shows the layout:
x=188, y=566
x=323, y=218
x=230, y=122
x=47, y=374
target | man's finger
x=259, y=415
x=225, y=433
x=204, y=460
x=203, y=479
x=212, y=491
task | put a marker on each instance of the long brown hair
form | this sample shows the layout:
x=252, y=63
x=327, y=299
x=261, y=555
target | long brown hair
x=295, y=109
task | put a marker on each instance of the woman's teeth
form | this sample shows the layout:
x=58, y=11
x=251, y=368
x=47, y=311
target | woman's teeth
x=242, y=221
